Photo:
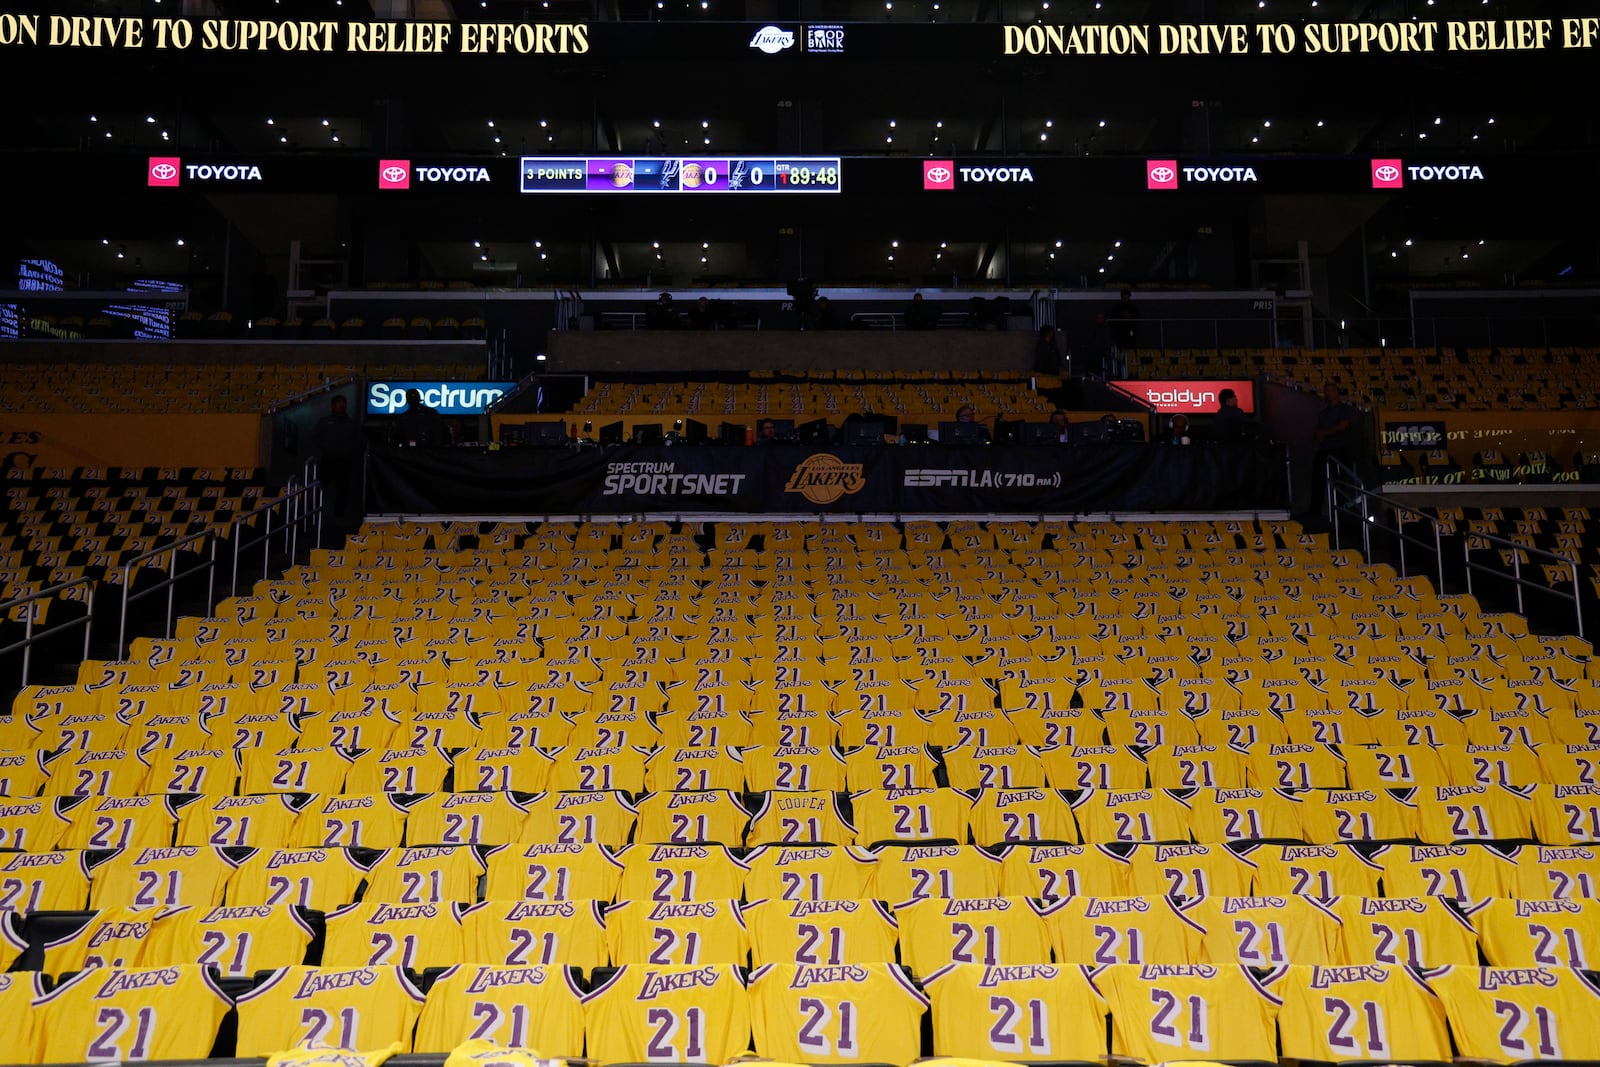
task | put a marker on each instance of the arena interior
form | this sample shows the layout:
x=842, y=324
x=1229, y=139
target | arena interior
x=799, y=531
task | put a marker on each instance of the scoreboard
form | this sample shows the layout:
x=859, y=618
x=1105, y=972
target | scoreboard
x=551, y=174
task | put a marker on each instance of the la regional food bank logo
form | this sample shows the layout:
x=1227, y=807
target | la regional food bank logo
x=824, y=478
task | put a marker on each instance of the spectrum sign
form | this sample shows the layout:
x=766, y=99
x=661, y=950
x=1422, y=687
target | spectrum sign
x=448, y=398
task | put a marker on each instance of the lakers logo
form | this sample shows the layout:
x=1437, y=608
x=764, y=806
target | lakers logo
x=824, y=478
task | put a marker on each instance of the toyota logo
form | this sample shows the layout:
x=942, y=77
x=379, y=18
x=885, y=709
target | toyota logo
x=1162, y=174
x=938, y=174
x=1386, y=173
x=164, y=172
x=394, y=174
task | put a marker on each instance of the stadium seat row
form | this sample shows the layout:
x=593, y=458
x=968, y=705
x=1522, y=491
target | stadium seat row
x=796, y=1013
x=924, y=934
x=1552, y=815
x=190, y=753
x=329, y=877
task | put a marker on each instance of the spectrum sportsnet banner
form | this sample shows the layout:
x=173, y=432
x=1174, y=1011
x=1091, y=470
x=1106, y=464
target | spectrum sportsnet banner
x=795, y=479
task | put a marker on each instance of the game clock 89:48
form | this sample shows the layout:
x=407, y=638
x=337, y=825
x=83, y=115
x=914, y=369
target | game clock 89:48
x=810, y=175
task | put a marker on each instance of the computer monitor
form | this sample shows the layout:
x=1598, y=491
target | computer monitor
x=815, y=432
x=963, y=433
x=783, y=429
x=611, y=433
x=862, y=432
x=646, y=433
x=694, y=432
x=547, y=433
x=1127, y=430
x=915, y=433
x=1008, y=431
x=731, y=433
x=1089, y=433
x=1041, y=433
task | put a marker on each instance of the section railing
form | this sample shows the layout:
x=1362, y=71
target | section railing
x=299, y=509
x=1347, y=498
x=30, y=638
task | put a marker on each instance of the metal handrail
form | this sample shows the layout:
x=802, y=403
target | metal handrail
x=169, y=583
x=1349, y=484
x=1516, y=571
x=305, y=507
x=299, y=499
x=29, y=638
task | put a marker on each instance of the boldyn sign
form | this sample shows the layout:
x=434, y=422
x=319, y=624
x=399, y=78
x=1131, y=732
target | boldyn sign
x=1191, y=396
x=449, y=398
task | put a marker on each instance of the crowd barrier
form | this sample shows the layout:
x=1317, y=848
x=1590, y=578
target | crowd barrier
x=855, y=480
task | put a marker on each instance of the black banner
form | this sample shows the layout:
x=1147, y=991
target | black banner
x=789, y=479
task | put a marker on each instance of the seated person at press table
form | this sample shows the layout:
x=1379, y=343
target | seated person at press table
x=420, y=425
x=966, y=430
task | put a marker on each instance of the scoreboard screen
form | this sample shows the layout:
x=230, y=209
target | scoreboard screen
x=550, y=174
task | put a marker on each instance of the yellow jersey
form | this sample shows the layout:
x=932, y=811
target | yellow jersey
x=535, y=1007
x=359, y=1007
x=1369, y=1011
x=696, y=1014
x=859, y=1012
x=125, y=1014
x=1024, y=1012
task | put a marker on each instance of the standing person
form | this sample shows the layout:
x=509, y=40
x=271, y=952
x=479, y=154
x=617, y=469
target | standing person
x=921, y=315
x=1046, y=352
x=1335, y=436
x=420, y=425
x=1228, y=424
x=1124, y=334
x=339, y=445
x=702, y=316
